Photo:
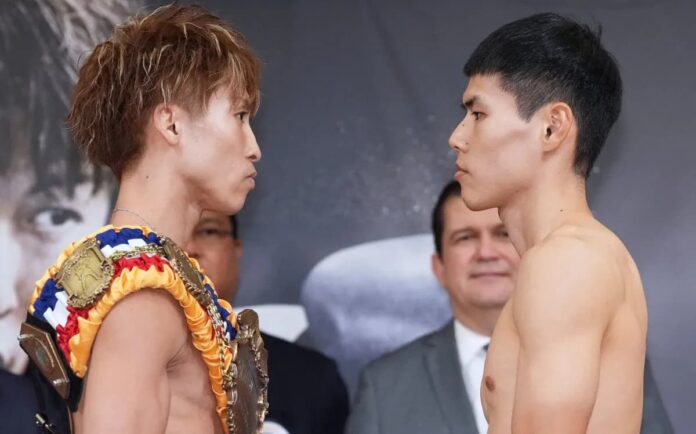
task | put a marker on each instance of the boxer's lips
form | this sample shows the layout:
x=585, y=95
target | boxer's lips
x=252, y=179
x=460, y=171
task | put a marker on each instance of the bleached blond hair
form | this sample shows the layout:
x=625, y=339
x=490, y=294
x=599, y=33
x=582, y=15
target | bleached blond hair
x=176, y=54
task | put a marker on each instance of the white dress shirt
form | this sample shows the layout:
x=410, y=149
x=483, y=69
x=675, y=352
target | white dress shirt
x=472, y=357
x=270, y=427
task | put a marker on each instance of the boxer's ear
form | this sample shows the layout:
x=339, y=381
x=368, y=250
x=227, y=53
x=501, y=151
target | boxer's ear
x=167, y=120
x=559, y=123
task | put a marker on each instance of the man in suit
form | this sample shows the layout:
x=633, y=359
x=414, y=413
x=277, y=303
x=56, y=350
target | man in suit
x=306, y=395
x=432, y=385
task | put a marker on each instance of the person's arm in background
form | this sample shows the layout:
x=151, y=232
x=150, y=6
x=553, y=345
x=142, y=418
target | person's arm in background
x=363, y=414
x=333, y=402
x=655, y=418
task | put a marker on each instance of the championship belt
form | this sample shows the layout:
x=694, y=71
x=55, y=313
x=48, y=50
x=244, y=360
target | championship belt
x=90, y=277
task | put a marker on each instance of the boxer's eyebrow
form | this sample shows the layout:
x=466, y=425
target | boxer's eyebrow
x=469, y=103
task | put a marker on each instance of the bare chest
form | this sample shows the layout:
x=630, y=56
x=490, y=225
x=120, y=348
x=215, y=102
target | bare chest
x=498, y=384
x=192, y=404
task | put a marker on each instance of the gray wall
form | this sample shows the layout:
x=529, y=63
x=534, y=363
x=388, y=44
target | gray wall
x=360, y=96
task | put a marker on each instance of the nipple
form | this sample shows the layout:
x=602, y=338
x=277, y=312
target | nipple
x=490, y=383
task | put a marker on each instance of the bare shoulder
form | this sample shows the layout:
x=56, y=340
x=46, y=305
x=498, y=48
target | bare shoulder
x=576, y=270
x=128, y=366
x=592, y=250
x=146, y=324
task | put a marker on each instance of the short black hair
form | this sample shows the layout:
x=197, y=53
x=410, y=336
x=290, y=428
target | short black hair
x=548, y=57
x=235, y=227
x=452, y=189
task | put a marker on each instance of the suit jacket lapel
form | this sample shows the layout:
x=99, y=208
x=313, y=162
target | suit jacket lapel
x=442, y=362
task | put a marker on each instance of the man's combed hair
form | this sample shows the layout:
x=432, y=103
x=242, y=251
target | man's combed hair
x=548, y=58
x=437, y=222
x=174, y=55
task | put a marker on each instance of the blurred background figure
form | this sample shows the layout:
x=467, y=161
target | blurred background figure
x=369, y=299
x=433, y=384
x=306, y=394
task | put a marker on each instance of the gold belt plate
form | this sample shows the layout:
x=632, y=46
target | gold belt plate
x=247, y=378
x=85, y=275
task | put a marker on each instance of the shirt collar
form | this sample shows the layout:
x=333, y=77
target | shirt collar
x=469, y=343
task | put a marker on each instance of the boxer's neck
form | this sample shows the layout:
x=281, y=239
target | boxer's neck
x=551, y=202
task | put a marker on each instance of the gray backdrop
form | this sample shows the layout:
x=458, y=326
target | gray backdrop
x=359, y=98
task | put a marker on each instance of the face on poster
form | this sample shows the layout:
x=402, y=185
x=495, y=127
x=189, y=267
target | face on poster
x=35, y=226
x=49, y=196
